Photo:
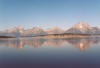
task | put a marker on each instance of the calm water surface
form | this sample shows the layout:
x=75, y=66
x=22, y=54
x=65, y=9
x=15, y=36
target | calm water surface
x=72, y=52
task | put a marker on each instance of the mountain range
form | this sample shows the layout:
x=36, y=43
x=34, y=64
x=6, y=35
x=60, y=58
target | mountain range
x=79, y=28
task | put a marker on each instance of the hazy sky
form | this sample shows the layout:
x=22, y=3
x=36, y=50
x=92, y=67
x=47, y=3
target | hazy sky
x=48, y=13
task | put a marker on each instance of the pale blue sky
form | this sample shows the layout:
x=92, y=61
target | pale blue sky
x=48, y=13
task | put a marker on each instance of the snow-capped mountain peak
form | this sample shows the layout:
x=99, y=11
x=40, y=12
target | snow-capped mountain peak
x=83, y=27
x=80, y=27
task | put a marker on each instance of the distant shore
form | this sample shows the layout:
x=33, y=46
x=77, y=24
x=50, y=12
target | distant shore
x=7, y=37
x=54, y=35
x=63, y=35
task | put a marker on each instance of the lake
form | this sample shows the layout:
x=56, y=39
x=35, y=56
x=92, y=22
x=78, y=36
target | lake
x=70, y=52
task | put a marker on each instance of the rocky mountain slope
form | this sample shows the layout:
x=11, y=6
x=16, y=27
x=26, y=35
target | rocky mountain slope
x=79, y=28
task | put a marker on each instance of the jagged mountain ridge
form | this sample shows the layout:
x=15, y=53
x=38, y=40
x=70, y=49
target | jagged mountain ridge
x=19, y=31
x=83, y=28
x=34, y=31
x=79, y=28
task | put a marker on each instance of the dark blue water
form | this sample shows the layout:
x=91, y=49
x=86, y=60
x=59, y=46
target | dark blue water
x=73, y=52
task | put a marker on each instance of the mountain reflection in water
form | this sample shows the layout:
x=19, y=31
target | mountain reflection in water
x=82, y=43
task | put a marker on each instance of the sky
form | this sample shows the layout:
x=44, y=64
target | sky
x=48, y=13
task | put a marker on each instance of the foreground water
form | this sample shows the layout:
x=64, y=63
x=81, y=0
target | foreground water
x=72, y=52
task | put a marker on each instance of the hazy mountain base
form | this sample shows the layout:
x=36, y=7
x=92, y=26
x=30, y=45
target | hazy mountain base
x=63, y=35
x=55, y=35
